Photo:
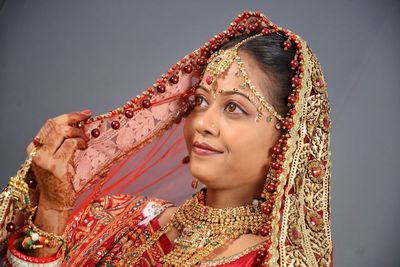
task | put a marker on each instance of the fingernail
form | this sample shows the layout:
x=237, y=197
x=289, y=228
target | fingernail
x=87, y=112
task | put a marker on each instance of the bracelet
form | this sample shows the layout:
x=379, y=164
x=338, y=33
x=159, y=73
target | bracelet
x=37, y=238
x=16, y=258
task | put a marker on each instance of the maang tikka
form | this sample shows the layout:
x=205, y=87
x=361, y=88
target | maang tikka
x=219, y=63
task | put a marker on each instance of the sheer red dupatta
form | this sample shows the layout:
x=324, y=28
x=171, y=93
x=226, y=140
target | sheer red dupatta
x=138, y=149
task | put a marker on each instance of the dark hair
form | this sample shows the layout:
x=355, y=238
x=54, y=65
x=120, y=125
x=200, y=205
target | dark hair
x=275, y=62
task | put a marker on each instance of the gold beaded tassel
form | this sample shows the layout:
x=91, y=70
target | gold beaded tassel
x=15, y=196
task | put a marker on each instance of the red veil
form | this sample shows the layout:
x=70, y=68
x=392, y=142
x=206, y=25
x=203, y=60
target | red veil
x=139, y=148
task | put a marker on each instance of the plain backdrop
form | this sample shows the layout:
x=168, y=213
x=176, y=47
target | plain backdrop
x=62, y=56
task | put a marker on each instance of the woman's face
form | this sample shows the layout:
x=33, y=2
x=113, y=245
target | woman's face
x=225, y=119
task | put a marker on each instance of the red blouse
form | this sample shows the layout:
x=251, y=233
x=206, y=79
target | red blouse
x=111, y=228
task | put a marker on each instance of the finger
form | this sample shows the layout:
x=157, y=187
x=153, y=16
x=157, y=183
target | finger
x=74, y=117
x=30, y=148
x=68, y=148
x=72, y=132
x=51, y=136
x=43, y=159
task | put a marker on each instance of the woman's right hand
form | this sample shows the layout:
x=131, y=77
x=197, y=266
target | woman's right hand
x=52, y=164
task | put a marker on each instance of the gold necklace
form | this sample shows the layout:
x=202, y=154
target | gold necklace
x=203, y=229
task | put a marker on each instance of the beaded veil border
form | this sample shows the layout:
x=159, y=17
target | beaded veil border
x=297, y=185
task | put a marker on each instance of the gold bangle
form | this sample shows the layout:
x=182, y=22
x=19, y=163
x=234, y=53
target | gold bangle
x=37, y=238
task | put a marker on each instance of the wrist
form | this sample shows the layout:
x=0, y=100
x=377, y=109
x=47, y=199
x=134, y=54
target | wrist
x=50, y=219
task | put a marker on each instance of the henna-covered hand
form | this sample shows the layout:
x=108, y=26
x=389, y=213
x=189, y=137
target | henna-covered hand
x=52, y=165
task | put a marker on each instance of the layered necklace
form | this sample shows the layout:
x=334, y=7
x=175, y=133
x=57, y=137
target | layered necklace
x=203, y=229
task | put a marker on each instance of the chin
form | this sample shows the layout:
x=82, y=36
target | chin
x=203, y=173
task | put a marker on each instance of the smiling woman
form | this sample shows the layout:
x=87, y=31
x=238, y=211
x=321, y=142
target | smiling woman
x=246, y=114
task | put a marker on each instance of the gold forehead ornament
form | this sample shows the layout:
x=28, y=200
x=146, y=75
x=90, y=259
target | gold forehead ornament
x=219, y=63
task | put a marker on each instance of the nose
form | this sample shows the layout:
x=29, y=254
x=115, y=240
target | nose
x=206, y=122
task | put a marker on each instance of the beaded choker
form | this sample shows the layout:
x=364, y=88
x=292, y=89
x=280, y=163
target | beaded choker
x=204, y=229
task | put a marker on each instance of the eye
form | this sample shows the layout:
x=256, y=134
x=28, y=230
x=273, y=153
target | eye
x=199, y=101
x=232, y=106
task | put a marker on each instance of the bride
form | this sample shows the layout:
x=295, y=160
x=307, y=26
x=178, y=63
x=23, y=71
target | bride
x=246, y=116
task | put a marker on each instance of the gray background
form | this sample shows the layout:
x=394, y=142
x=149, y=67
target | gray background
x=61, y=56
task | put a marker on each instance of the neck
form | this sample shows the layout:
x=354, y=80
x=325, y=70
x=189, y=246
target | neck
x=225, y=198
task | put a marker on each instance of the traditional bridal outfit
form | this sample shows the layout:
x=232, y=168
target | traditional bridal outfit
x=138, y=150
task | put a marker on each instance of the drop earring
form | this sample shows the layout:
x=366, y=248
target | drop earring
x=195, y=182
x=186, y=160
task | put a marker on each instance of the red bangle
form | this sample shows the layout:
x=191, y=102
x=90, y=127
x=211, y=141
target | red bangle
x=16, y=253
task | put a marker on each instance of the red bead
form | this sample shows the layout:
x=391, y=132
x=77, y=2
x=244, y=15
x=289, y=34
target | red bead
x=275, y=165
x=209, y=79
x=314, y=220
x=260, y=254
x=292, y=111
x=174, y=79
x=287, y=44
x=292, y=99
x=252, y=27
x=270, y=188
x=186, y=160
x=10, y=227
x=241, y=28
x=264, y=231
x=294, y=64
x=316, y=171
x=201, y=61
x=295, y=81
x=95, y=132
x=146, y=103
x=161, y=88
x=129, y=113
x=36, y=141
x=267, y=209
x=285, y=124
x=188, y=68
x=276, y=149
x=115, y=125
x=32, y=183
x=265, y=32
x=230, y=35
x=320, y=83
x=213, y=47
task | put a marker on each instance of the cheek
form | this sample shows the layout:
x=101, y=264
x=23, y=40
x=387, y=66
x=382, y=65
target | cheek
x=251, y=147
x=188, y=130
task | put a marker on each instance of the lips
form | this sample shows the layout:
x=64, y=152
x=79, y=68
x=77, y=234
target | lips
x=205, y=146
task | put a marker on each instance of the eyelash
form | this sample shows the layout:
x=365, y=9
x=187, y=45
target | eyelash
x=196, y=97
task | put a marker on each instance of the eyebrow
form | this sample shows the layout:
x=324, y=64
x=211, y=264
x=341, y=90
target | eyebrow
x=226, y=92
